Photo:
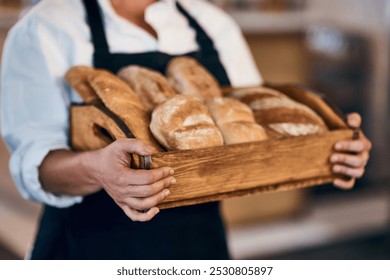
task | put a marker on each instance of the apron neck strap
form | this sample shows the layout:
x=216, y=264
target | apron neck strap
x=203, y=40
x=95, y=22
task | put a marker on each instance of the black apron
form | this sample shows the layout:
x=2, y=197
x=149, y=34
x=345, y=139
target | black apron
x=97, y=228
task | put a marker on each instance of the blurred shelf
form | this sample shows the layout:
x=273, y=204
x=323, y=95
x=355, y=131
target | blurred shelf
x=269, y=22
x=325, y=222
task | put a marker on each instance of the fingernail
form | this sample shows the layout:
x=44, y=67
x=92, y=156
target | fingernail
x=353, y=123
x=173, y=182
x=336, y=169
x=166, y=193
x=338, y=146
x=333, y=158
x=171, y=171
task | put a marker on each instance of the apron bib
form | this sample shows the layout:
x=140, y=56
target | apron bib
x=97, y=228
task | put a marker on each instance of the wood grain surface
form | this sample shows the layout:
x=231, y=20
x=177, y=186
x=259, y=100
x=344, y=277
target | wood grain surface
x=235, y=170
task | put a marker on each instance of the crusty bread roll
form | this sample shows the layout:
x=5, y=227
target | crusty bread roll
x=77, y=78
x=123, y=102
x=183, y=122
x=188, y=77
x=151, y=87
x=235, y=120
x=279, y=114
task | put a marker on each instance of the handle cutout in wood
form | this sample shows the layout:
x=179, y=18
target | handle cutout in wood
x=102, y=133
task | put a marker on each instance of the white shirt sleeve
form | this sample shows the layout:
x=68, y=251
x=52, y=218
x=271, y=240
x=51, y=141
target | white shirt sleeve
x=34, y=106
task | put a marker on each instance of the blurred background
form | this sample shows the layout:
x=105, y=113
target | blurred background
x=337, y=47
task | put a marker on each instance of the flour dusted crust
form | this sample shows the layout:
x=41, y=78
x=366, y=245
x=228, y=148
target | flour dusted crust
x=279, y=114
x=188, y=77
x=77, y=78
x=121, y=100
x=235, y=120
x=151, y=87
x=183, y=122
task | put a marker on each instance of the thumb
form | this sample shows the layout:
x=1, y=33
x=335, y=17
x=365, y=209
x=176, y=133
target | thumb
x=136, y=146
x=354, y=120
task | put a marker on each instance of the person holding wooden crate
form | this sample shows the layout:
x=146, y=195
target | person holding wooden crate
x=92, y=199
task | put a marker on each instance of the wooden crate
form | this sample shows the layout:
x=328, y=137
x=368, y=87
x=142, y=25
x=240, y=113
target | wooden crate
x=217, y=173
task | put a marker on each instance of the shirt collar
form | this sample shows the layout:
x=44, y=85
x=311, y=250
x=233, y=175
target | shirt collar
x=109, y=11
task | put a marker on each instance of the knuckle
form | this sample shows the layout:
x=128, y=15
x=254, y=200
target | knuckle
x=141, y=205
x=137, y=204
x=167, y=182
x=360, y=146
x=120, y=142
x=150, y=177
x=147, y=190
x=340, y=168
x=360, y=161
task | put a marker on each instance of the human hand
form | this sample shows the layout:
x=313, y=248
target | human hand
x=351, y=156
x=133, y=190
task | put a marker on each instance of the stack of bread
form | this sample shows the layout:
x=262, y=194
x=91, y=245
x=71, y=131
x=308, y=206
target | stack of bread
x=187, y=110
x=178, y=122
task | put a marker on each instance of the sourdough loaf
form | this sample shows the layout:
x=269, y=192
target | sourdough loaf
x=151, y=87
x=188, y=77
x=183, y=122
x=235, y=120
x=279, y=114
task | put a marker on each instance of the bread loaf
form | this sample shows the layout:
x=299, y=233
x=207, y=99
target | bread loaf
x=188, y=77
x=151, y=87
x=122, y=101
x=77, y=78
x=183, y=122
x=235, y=120
x=279, y=114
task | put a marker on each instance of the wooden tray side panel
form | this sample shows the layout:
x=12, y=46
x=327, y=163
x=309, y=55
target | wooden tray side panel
x=206, y=172
x=251, y=191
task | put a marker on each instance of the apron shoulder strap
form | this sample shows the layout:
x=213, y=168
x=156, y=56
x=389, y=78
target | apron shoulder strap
x=95, y=22
x=204, y=41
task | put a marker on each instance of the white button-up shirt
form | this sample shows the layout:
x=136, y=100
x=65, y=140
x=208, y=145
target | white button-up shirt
x=54, y=36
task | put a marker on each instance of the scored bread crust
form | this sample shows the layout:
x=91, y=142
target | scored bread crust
x=77, y=78
x=183, y=122
x=235, y=120
x=151, y=87
x=279, y=114
x=189, y=77
x=122, y=101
